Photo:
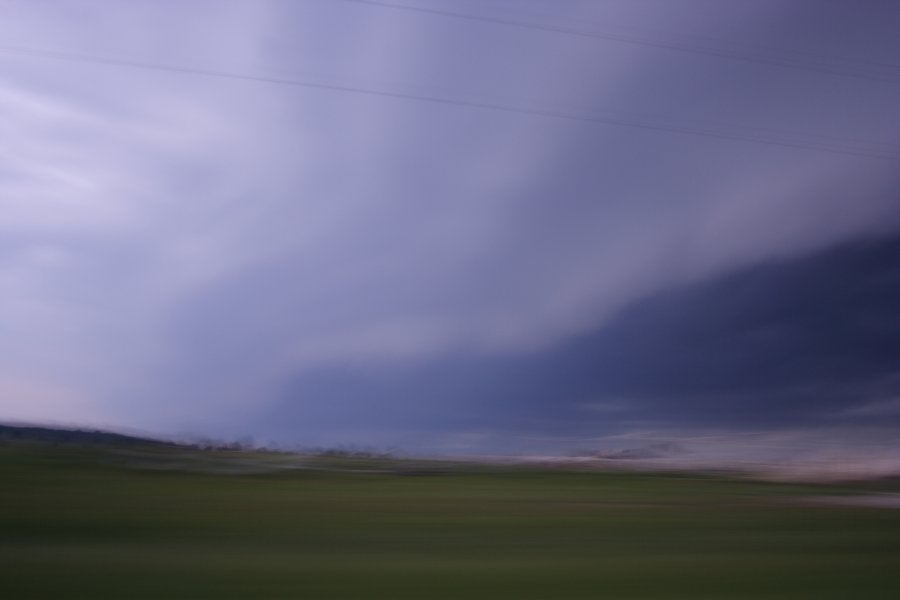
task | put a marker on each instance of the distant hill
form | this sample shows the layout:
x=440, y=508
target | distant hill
x=54, y=435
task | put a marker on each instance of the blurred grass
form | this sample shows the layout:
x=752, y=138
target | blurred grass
x=76, y=523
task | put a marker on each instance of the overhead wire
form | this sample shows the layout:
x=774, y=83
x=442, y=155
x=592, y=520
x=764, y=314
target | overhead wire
x=60, y=55
x=786, y=62
x=793, y=52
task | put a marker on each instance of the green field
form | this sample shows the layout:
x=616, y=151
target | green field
x=77, y=524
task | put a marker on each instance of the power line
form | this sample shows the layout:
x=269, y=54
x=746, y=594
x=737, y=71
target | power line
x=586, y=118
x=825, y=139
x=785, y=62
x=885, y=146
x=795, y=53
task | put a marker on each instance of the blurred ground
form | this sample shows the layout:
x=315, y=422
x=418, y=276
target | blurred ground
x=142, y=523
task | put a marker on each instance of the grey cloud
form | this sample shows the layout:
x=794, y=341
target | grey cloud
x=807, y=342
x=243, y=237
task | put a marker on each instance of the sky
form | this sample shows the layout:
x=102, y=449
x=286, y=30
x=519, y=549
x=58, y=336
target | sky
x=450, y=225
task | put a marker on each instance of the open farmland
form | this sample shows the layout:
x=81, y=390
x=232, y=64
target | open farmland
x=79, y=523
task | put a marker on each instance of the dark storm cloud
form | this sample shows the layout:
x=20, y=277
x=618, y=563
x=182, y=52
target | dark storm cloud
x=797, y=340
x=808, y=341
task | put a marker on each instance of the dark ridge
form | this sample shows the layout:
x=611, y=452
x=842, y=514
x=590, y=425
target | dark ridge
x=54, y=435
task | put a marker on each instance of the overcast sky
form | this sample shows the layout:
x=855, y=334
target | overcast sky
x=473, y=223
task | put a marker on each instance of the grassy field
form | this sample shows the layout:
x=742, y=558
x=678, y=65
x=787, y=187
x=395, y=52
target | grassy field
x=76, y=524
